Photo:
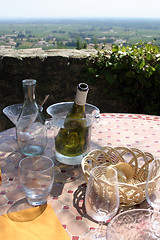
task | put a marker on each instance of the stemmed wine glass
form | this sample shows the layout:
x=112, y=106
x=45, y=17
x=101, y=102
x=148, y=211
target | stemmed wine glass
x=101, y=199
x=153, y=193
x=153, y=185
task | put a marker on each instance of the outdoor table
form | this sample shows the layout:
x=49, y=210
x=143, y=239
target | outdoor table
x=67, y=195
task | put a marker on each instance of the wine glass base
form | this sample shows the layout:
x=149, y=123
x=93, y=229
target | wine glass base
x=94, y=235
x=32, y=150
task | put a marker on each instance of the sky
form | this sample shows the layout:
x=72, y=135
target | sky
x=80, y=8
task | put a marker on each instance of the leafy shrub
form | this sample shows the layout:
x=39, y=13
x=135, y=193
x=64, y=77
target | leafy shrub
x=131, y=75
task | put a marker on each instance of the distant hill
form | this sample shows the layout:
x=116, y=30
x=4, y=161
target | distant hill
x=76, y=33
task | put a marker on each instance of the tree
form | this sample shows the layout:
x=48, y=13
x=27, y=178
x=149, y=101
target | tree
x=95, y=43
x=85, y=45
x=78, y=45
x=18, y=44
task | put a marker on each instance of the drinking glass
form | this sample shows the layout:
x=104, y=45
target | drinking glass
x=153, y=185
x=134, y=224
x=36, y=178
x=101, y=199
x=153, y=193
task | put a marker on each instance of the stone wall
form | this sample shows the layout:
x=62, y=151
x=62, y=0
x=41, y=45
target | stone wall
x=57, y=73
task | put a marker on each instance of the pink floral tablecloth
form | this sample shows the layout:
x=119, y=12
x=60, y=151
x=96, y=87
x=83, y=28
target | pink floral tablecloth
x=67, y=196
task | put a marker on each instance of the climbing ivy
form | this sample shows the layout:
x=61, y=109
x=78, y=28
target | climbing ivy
x=130, y=74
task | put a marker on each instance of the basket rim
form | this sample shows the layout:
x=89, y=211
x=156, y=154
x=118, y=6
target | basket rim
x=145, y=154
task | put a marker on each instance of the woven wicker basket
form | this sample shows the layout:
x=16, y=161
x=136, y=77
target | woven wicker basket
x=132, y=192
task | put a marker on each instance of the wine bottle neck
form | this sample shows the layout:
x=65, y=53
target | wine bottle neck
x=29, y=89
x=81, y=97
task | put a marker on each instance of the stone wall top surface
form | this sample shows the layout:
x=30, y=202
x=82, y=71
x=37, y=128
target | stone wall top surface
x=38, y=52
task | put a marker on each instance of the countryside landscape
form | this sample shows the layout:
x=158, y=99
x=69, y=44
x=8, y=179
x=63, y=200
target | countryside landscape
x=76, y=33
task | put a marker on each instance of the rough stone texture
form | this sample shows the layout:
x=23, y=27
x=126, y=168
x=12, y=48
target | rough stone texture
x=57, y=73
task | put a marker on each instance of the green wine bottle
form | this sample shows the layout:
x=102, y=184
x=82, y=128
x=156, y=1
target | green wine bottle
x=73, y=139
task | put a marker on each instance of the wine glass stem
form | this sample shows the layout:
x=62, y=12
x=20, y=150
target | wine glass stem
x=100, y=232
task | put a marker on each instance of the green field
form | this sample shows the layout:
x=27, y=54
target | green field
x=77, y=33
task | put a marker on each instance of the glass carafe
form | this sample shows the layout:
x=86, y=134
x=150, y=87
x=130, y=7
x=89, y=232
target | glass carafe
x=30, y=129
